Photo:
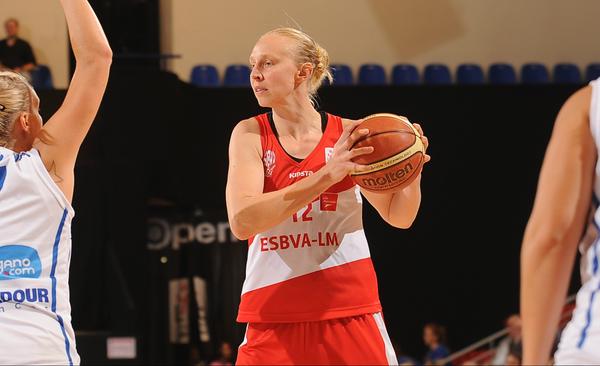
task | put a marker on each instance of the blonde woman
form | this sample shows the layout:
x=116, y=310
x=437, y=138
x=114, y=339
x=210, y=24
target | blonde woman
x=310, y=294
x=36, y=188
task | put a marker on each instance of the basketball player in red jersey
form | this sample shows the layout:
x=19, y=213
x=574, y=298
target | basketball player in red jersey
x=310, y=294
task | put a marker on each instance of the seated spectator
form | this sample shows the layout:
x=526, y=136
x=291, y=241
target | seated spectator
x=15, y=53
x=225, y=355
x=511, y=344
x=434, y=336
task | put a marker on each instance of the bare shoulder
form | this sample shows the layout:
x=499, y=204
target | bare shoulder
x=581, y=98
x=247, y=129
x=246, y=136
x=248, y=125
x=576, y=108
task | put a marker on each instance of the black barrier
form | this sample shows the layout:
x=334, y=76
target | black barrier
x=157, y=137
x=198, y=265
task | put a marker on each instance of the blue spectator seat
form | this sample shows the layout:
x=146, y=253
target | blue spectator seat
x=534, y=73
x=566, y=73
x=437, y=74
x=502, y=74
x=237, y=75
x=41, y=78
x=469, y=74
x=342, y=75
x=405, y=74
x=204, y=76
x=371, y=74
x=592, y=72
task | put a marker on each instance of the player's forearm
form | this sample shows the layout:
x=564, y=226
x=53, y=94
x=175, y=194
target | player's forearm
x=546, y=265
x=404, y=205
x=87, y=37
x=262, y=212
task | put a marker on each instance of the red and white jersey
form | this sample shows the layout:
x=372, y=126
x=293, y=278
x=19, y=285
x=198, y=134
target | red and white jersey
x=316, y=264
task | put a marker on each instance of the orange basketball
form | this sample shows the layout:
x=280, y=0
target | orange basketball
x=398, y=153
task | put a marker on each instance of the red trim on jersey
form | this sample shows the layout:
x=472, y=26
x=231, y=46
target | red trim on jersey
x=318, y=295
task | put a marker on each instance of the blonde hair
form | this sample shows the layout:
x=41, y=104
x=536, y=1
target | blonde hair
x=15, y=97
x=308, y=50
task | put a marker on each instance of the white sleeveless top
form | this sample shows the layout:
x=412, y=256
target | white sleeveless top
x=580, y=341
x=35, y=252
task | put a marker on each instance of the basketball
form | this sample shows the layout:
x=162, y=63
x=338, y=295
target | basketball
x=398, y=153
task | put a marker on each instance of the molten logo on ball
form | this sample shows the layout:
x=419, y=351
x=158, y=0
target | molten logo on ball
x=389, y=178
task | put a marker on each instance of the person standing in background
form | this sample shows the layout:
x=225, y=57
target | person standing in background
x=15, y=53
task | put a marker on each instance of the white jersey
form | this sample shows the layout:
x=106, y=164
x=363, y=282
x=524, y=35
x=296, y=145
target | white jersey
x=580, y=341
x=35, y=252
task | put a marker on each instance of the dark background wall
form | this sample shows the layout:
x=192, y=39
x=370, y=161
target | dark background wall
x=157, y=139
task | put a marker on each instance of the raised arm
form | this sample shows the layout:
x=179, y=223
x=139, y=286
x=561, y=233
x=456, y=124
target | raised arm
x=64, y=132
x=555, y=226
x=251, y=211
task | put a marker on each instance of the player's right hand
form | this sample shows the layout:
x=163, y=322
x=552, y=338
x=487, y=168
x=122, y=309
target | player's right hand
x=340, y=164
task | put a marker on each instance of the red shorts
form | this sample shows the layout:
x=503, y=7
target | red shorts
x=360, y=339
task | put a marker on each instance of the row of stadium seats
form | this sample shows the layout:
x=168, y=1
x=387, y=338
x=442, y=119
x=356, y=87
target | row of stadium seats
x=208, y=76
x=407, y=74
